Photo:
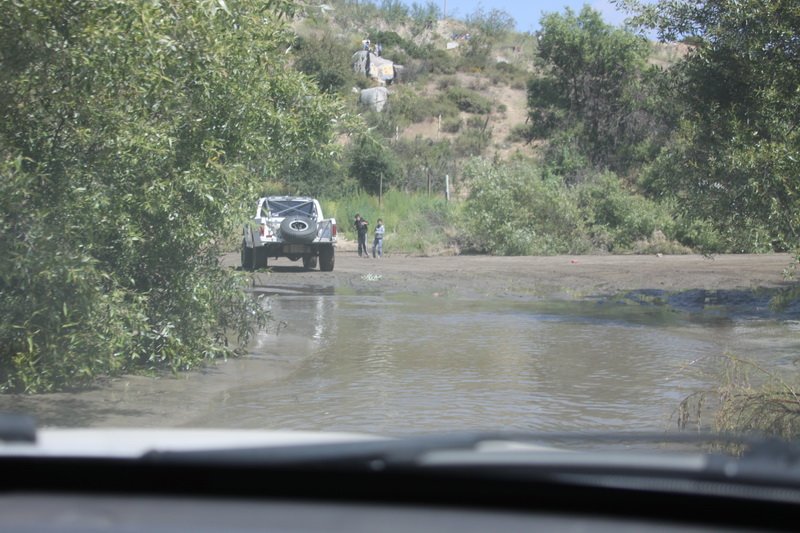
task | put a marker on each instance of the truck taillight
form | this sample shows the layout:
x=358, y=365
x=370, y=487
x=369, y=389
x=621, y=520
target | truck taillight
x=262, y=229
x=333, y=230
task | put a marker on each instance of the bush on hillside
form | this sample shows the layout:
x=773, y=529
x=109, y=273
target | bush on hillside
x=469, y=101
x=327, y=60
x=472, y=142
x=519, y=133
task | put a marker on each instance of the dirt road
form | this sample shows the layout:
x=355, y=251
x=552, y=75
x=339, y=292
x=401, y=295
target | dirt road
x=557, y=276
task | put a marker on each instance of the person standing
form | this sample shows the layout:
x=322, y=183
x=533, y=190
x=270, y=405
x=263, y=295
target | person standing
x=362, y=226
x=377, y=244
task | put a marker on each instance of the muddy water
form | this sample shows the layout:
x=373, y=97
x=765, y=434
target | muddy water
x=391, y=362
x=396, y=364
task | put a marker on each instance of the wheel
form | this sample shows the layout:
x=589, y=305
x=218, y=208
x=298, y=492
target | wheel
x=309, y=262
x=247, y=257
x=298, y=229
x=260, y=258
x=326, y=258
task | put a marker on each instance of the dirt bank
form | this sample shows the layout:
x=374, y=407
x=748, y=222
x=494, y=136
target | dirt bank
x=558, y=276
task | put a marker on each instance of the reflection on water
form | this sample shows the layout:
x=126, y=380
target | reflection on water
x=400, y=364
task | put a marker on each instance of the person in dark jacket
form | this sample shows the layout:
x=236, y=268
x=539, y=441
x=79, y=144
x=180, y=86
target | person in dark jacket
x=362, y=226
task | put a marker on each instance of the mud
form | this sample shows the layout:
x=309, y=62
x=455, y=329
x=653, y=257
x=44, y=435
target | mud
x=549, y=277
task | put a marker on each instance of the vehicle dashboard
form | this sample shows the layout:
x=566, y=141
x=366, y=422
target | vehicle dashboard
x=65, y=495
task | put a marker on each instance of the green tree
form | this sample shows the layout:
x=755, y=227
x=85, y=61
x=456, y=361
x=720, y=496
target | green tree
x=486, y=30
x=394, y=11
x=734, y=157
x=327, y=59
x=134, y=136
x=424, y=16
x=424, y=162
x=590, y=88
x=493, y=24
x=372, y=163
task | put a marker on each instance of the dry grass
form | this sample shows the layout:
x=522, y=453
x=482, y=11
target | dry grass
x=749, y=399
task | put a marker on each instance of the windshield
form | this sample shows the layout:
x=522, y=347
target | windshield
x=530, y=222
x=282, y=208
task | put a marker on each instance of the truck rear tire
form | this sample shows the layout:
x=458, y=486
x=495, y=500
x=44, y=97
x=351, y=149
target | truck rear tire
x=260, y=257
x=326, y=258
x=247, y=257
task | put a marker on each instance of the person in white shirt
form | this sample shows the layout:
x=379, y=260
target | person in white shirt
x=377, y=244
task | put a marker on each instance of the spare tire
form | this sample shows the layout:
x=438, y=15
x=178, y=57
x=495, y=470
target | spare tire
x=298, y=229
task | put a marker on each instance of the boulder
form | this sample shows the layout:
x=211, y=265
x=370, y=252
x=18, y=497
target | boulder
x=375, y=98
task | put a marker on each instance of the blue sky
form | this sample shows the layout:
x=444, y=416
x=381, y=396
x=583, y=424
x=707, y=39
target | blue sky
x=525, y=12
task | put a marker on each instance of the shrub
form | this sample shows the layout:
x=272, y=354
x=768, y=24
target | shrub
x=621, y=217
x=478, y=123
x=517, y=209
x=394, y=12
x=469, y=101
x=409, y=106
x=472, y=142
x=699, y=234
x=446, y=82
x=519, y=133
x=512, y=211
x=386, y=123
x=451, y=124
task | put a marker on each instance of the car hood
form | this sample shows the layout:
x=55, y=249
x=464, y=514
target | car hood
x=134, y=443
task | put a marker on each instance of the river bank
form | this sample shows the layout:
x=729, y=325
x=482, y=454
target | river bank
x=552, y=276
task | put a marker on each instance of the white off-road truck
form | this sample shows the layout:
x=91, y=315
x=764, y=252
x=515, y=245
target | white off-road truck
x=289, y=226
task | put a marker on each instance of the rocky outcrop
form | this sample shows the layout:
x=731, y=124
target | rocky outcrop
x=374, y=98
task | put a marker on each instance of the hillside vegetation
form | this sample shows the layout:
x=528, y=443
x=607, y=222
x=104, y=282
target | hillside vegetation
x=594, y=116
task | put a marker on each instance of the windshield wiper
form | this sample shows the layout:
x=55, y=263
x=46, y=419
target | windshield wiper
x=759, y=457
x=369, y=454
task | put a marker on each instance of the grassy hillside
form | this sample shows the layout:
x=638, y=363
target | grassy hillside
x=463, y=82
x=470, y=95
